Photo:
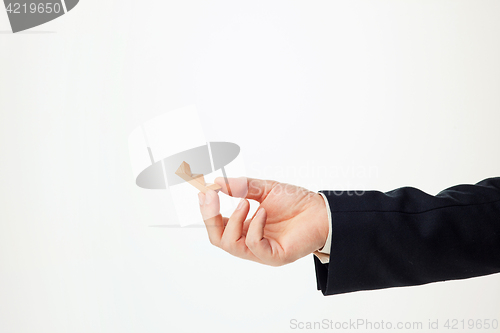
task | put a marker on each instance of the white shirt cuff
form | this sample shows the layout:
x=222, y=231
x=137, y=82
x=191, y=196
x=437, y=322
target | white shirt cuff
x=323, y=254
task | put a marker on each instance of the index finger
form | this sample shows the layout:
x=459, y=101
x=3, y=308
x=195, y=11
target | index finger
x=210, y=207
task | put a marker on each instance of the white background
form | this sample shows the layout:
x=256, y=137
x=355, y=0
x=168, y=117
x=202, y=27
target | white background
x=407, y=89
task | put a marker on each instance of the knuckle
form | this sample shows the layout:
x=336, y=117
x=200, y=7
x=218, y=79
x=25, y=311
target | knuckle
x=211, y=241
x=225, y=245
x=251, y=242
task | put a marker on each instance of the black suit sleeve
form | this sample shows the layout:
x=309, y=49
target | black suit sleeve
x=406, y=237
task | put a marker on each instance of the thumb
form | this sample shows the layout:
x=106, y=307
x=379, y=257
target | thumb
x=244, y=187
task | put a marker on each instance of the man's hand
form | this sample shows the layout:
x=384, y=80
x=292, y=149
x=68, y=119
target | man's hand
x=291, y=222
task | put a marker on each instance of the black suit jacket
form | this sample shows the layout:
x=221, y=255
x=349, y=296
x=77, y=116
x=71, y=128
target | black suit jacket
x=406, y=237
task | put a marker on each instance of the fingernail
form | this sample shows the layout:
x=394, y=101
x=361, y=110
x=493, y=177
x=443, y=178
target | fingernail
x=260, y=212
x=240, y=205
x=208, y=197
x=201, y=197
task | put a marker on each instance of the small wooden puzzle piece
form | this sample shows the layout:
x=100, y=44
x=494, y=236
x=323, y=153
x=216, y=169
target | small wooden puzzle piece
x=197, y=180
